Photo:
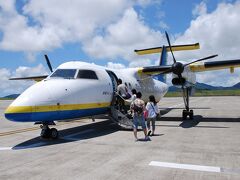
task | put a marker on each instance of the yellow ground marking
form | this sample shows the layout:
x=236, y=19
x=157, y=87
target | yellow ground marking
x=17, y=131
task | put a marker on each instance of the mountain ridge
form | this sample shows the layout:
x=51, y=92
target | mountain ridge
x=203, y=86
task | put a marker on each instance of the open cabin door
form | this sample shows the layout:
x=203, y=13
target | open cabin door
x=114, y=79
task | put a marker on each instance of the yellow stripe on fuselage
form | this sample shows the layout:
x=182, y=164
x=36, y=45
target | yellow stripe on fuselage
x=49, y=108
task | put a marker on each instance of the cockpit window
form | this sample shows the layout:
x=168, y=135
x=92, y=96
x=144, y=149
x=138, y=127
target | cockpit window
x=64, y=73
x=86, y=74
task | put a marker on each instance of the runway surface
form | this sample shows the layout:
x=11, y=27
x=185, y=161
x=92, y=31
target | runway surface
x=207, y=147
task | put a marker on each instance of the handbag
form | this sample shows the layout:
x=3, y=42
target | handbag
x=145, y=114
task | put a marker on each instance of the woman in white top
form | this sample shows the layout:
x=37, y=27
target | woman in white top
x=153, y=111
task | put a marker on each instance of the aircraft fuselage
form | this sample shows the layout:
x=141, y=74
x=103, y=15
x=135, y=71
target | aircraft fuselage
x=78, y=94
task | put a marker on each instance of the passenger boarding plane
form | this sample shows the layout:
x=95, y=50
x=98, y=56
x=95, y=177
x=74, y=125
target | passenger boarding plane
x=79, y=89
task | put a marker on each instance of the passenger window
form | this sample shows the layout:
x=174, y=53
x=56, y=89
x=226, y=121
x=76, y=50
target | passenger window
x=87, y=74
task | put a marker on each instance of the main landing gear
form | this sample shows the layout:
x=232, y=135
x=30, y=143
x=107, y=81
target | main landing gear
x=48, y=133
x=186, y=112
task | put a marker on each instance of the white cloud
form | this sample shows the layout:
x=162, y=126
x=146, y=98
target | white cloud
x=13, y=87
x=23, y=71
x=218, y=33
x=45, y=25
x=147, y=2
x=220, y=78
x=115, y=65
x=200, y=9
x=140, y=63
x=113, y=29
x=121, y=38
x=163, y=25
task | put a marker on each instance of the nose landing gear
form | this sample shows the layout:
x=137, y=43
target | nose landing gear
x=48, y=133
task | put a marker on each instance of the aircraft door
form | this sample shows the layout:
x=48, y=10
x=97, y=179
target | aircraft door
x=114, y=79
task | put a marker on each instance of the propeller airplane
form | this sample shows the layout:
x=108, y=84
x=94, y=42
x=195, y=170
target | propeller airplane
x=78, y=89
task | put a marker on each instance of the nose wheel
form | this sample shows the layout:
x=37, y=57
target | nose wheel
x=48, y=133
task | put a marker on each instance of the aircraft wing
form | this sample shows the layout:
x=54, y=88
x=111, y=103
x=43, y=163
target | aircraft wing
x=35, y=78
x=195, y=67
x=214, y=65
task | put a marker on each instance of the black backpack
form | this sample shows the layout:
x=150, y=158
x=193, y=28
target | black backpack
x=137, y=109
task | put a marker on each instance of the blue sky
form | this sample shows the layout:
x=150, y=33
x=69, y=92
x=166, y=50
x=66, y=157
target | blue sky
x=107, y=32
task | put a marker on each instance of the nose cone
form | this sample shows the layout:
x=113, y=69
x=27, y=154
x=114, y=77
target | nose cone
x=22, y=109
x=19, y=113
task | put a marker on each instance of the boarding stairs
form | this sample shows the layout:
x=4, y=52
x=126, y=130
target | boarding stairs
x=122, y=119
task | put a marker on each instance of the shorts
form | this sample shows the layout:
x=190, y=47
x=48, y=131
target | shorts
x=138, y=120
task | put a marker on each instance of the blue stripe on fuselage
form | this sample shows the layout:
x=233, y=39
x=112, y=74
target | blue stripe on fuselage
x=54, y=115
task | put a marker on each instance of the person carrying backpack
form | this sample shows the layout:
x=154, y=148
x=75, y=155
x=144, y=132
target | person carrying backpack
x=137, y=107
x=153, y=112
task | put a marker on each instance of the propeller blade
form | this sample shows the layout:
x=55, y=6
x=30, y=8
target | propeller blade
x=169, y=44
x=48, y=63
x=202, y=59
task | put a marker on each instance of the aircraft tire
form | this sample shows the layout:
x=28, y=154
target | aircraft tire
x=45, y=133
x=54, y=133
x=191, y=114
x=184, y=114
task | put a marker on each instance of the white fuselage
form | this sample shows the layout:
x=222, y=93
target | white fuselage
x=77, y=95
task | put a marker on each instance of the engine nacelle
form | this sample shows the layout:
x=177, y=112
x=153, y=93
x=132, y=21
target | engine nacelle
x=188, y=78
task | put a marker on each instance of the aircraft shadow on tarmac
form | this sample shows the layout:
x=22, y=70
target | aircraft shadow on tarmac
x=167, y=110
x=190, y=123
x=103, y=128
x=72, y=134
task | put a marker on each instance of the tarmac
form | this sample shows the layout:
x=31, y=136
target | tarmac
x=207, y=147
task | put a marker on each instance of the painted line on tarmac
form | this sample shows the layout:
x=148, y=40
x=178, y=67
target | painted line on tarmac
x=32, y=129
x=18, y=131
x=185, y=166
x=5, y=148
x=22, y=147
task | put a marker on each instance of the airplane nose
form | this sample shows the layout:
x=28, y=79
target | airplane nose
x=23, y=109
x=19, y=113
